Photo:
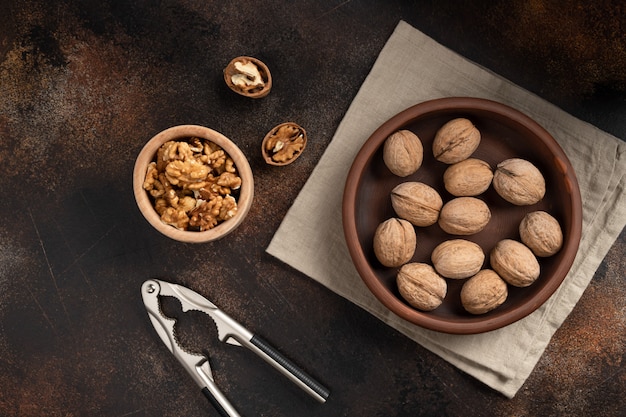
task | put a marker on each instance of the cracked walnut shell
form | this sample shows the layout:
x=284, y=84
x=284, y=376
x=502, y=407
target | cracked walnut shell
x=421, y=286
x=248, y=77
x=283, y=144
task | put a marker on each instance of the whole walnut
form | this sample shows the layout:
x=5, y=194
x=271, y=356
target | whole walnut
x=457, y=258
x=394, y=242
x=483, y=292
x=515, y=263
x=464, y=216
x=541, y=233
x=455, y=141
x=519, y=182
x=421, y=286
x=416, y=202
x=403, y=153
x=468, y=178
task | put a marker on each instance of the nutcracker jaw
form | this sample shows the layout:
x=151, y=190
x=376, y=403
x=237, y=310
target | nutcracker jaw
x=228, y=331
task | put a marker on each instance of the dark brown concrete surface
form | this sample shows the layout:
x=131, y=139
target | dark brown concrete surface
x=84, y=84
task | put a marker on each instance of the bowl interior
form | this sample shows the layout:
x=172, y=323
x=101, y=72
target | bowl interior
x=506, y=133
x=244, y=195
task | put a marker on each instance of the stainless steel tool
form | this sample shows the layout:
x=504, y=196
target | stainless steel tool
x=229, y=331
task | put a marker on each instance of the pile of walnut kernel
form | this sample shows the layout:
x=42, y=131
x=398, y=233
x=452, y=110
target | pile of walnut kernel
x=191, y=184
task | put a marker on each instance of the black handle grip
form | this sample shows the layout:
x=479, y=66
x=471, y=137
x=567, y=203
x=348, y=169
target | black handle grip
x=318, y=388
x=215, y=403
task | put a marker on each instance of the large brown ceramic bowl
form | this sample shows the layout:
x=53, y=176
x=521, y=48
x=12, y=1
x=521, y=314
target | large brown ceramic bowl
x=145, y=203
x=506, y=133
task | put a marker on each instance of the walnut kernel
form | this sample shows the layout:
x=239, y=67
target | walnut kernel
x=190, y=173
x=174, y=217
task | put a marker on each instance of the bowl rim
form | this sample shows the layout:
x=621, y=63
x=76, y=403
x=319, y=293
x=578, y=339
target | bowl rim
x=146, y=155
x=478, y=324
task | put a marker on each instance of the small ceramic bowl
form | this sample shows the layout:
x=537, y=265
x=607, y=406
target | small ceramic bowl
x=146, y=205
x=231, y=73
x=506, y=133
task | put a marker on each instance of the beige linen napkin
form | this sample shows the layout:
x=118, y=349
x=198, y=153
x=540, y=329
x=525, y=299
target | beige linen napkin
x=410, y=69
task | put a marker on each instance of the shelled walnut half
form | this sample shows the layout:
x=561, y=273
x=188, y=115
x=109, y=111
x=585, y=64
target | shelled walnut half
x=284, y=144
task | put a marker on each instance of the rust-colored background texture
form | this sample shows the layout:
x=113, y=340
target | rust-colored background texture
x=84, y=85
